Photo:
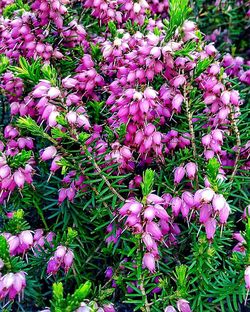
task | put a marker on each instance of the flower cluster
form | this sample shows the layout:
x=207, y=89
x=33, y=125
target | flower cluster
x=63, y=258
x=12, y=284
x=111, y=103
x=26, y=240
x=152, y=222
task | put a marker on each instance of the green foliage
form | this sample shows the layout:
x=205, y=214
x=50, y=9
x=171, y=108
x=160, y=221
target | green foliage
x=178, y=13
x=49, y=73
x=19, y=6
x=28, y=124
x=17, y=223
x=201, y=66
x=230, y=18
x=20, y=159
x=213, y=167
x=4, y=249
x=121, y=131
x=133, y=27
x=112, y=28
x=71, y=302
x=96, y=52
x=95, y=109
x=189, y=47
x=4, y=63
x=11, y=264
x=148, y=182
x=29, y=72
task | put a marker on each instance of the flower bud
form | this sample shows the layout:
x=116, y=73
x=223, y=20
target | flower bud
x=224, y=213
x=188, y=198
x=205, y=213
x=206, y=140
x=53, y=266
x=179, y=81
x=26, y=238
x=225, y=97
x=109, y=273
x=154, y=199
x=177, y=102
x=108, y=308
x=217, y=135
x=135, y=207
x=161, y=213
x=71, y=117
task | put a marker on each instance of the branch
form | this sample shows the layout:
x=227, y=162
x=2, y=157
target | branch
x=190, y=124
x=238, y=142
x=141, y=278
x=99, y=170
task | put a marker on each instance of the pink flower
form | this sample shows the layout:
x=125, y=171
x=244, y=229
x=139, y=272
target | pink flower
x=207, y=195
x=53, y=266
x=5, y=171
x=176, y=205
x=19, y=178
x=247, y=277
x=109, y=308
x=148, y=262
x=169, y=309
x=183, y=305
x=191, y=169
x=218, y=202
x=148, y=241
x=149, y=213
x=205, y=213
x=26, y=239
x=60, y=252
x=154, y=230
x=53, y=92
x=179, y=81
x=179, y=174
x=48, y=153
x=210, y=227
x=224, y=213
x=68, y=260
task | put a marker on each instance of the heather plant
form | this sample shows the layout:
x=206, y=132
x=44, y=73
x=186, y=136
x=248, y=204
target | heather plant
x=124, y=159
